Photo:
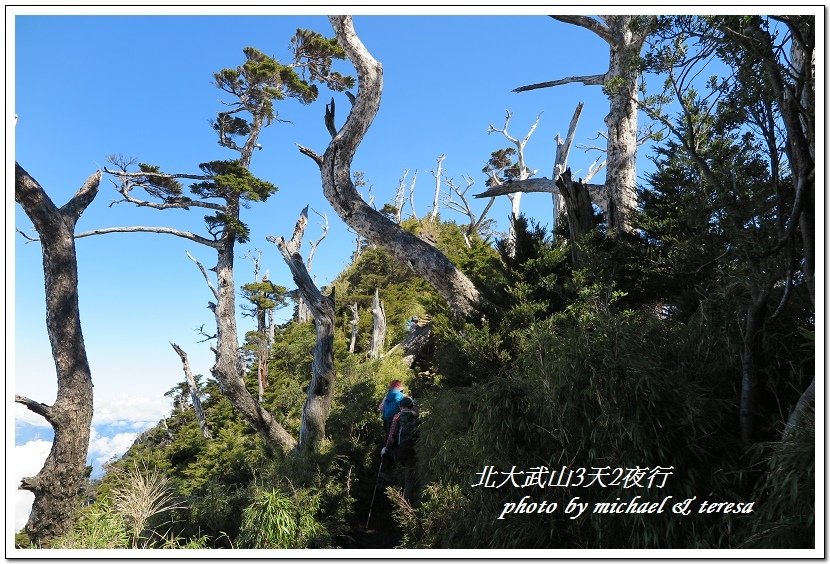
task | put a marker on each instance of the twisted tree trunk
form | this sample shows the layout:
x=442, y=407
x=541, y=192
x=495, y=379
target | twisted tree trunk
x=321, y=388
x=335, y=166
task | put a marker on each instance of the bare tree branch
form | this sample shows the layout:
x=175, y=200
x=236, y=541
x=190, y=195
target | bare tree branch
x=588, y=23
x=29, y=239
x=313, y=245
x=563, y=148
x=41, y=409
x=591, y=80
x=149, y=229
x=596, y=191
x=213, y=290
x=593, y=169
x=311, y=154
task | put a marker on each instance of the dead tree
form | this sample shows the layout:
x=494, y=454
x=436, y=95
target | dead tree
x=580, y=213
x=412, y=196
x=436, y=198
x=378, y=327
x=400, y=197
x=321, y=388
x=63, y=475
x=475, y=221
x=354, y=322
x=580, y=195
x=335, y=168
x=625, y=35
x=193, y=388
x=519, y=171
x=303, y=313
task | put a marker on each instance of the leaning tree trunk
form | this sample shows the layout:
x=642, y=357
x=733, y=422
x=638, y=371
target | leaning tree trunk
x=63, y=476
x=335, y=165
x=228, y=369
x=321, y=388
x=378, y=327
x=193, y=388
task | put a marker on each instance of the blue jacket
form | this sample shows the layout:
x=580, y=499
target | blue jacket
x=391, y=404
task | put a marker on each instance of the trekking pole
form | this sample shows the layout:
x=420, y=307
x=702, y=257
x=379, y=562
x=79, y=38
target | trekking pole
x=372, y=504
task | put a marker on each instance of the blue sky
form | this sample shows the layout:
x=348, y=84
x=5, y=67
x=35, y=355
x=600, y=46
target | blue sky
x=90, y=86
x=87, y=86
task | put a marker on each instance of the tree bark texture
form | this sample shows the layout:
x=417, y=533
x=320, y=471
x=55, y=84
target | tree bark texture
x=378, y=328
x=193, y=388
x=621, y=84
x=425, y=260
x=62, y=478
x=321, y=388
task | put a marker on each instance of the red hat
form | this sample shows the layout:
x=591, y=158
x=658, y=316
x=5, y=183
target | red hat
x=395, y=384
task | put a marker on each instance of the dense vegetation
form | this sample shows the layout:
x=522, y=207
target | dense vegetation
x=632, y=360
x=575, y=369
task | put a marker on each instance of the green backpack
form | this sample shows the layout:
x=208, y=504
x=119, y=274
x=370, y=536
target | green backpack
x=407, y=429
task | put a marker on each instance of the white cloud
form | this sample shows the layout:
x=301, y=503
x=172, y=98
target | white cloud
x=28, y=460
x=126, y=410
x=102, y=449
x=23, y=414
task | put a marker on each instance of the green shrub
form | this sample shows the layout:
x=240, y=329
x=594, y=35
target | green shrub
x=275, y=520
x=97, y=526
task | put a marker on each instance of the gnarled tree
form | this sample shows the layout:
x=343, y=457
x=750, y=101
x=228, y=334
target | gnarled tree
x=335, y=166
x=321, y=388
x=58, y=484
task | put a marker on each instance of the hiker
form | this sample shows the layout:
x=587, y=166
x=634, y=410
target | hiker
x=390, y=404
x=400, y=442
